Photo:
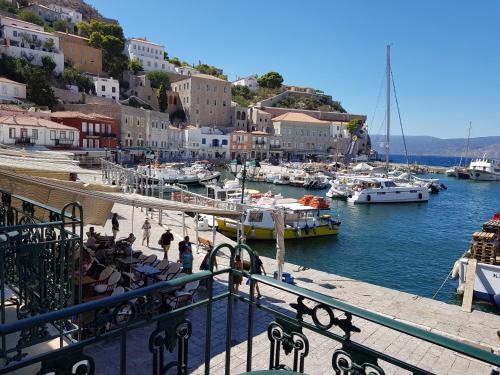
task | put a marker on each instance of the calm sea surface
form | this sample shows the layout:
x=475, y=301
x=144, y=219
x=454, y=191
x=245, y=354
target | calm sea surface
x=408, y=247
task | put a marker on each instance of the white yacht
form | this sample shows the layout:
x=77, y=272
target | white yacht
x=383, y=190
x=485, y=170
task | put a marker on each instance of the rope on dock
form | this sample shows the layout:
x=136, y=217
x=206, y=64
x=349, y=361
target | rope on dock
x=441, y=287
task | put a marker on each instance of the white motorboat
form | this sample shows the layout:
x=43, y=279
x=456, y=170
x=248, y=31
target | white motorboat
x=316, y=181
x=186, y=176
x=383, y=190
x=485, y=169
x=282, y=179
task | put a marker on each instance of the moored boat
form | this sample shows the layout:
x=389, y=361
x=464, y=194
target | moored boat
x=485, y=250
x=485, y=169
x=301, y=221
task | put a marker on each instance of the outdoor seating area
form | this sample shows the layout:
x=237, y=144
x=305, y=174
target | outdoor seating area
x=112, y=267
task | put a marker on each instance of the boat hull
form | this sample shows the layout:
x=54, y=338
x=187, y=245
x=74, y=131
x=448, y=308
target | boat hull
x=484, y=176
x=230, y=229
x=487, y=283
x=371, y=197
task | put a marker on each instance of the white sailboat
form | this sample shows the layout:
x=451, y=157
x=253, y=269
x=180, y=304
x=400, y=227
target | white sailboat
x=385, y=190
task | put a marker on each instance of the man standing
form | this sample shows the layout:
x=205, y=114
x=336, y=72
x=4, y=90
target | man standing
x=183, y=246
x=115, y=226
x=165, y=241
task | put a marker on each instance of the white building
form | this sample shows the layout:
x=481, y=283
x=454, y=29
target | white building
x=206, y=143
x=175, y=143
x=11, y=91
x=250, y=82
x=107, y=88
x=186, y=70
x=29, y=130
x=151, y=55
x=158, y=134
x=68, y=14
x=339, y=130
x=29, y=41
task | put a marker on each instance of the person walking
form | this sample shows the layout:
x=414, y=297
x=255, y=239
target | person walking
x=237, y=279
x=115, y=225
x=183, y=246
x=187, y=261
x=259, y=268
x=146, y=232
x=165, y=241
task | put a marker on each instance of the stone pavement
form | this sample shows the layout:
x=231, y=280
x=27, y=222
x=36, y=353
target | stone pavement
x=476, y=328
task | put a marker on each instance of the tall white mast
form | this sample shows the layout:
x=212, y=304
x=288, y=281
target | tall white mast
x=388, y=115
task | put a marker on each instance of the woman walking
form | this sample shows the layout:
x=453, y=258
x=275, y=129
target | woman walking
x=237, y=279
x=146, y=232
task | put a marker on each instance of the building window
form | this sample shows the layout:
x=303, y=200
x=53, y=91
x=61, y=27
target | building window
x=62, y=134
x=203, y=141
x=12, y=133
x=34, y=133
x=103, y=88
x=52, y=134
x=113, y=89
x=71, y=135
x=224, y=142
x=225, y=89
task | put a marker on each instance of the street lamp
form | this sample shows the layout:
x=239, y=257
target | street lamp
x=238, y=166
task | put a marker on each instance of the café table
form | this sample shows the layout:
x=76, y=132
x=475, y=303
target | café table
x=147, y=272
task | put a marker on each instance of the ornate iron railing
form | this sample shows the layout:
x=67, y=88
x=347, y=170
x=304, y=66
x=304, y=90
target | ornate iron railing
x=313, y=313
x=40, y=260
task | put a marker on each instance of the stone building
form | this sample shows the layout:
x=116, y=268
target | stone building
x=303, y=135
x=239, y=117
x=77, y=50
x=206, y=100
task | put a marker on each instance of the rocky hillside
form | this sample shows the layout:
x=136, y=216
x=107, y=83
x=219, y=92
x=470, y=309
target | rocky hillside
x=87, y=11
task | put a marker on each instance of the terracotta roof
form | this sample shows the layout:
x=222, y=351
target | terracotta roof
x=298, y=117
x=6, y=80
x=32, y=121
x=85, y=116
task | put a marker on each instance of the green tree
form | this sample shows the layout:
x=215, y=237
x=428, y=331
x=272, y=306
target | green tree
x=175, y=60
x=61, y=25
x=162, y=98
x=48, y=64
x=353, y=125
x=242, y=91
x=72, y=76
x=135, y=65
x=38, y=89
x=271, y=80
x=29, y=16
x=49, y=44
x=241, y=100
x=158, y=78
x=109, y=37
x=7, y=7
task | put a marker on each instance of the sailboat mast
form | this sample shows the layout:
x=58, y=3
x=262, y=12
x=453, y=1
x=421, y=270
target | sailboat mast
x=388, y=134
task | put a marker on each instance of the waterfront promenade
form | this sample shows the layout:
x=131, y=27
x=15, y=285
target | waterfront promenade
x=476, y=328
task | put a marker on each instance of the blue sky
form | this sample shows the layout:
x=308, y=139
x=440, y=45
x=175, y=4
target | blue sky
x=445, y=54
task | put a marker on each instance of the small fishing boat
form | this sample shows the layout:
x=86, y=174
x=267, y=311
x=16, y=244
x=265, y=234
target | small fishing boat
x=301, y=221
x=298, y=180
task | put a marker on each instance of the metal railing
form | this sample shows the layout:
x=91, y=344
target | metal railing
x=40, y=260
x=23, y=141
x=64, y=141
x=289, y=329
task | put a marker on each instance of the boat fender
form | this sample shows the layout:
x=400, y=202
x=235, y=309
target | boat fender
x=368, y=198
x=419, y=195
x=330, y=225
x=496, y=300
x=455, y=272
x=306, y=229
x=298, y=231
x=315, y=229
x=460, y=290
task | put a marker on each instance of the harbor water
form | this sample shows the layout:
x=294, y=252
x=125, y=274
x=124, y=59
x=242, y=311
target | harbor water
x=409, y=247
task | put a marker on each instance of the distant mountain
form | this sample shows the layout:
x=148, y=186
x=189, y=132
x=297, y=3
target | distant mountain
x=425, y=145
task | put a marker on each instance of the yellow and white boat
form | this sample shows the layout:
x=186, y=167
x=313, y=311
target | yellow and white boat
x=300, y=222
